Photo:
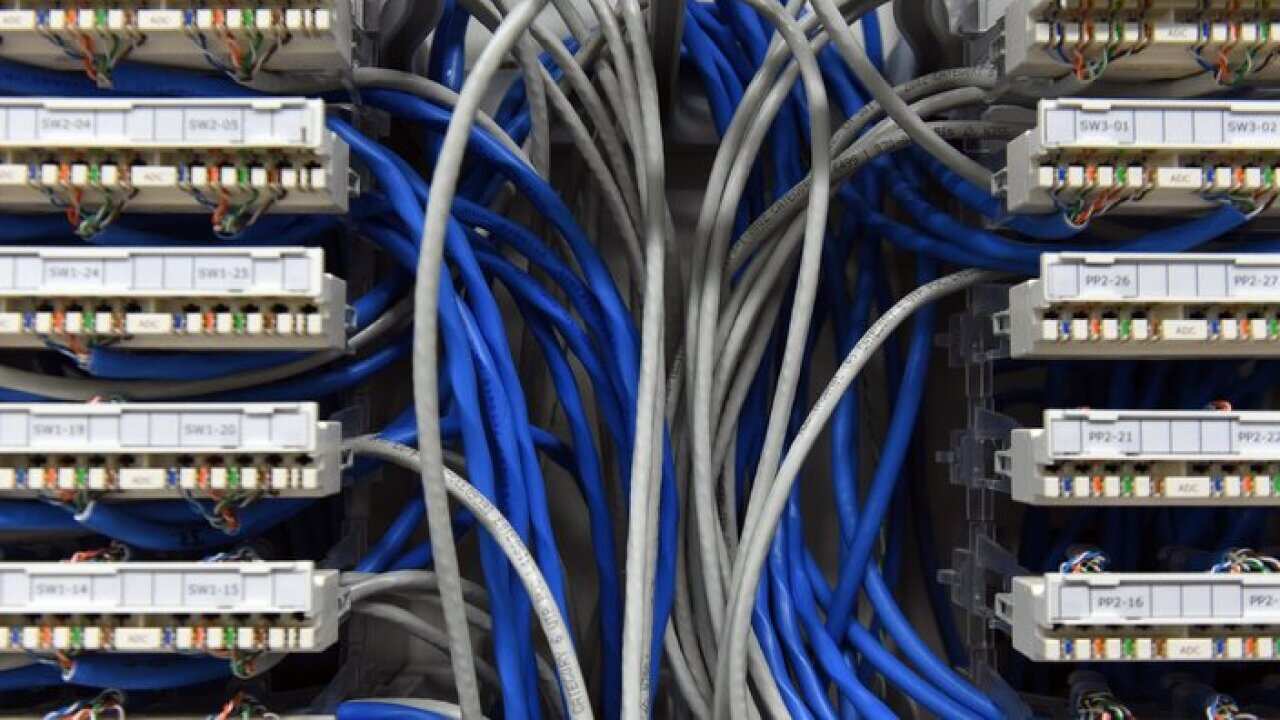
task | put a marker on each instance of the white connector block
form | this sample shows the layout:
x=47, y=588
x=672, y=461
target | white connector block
x=171, y=298
x=1143, y=156
x=135, y=451
x=1145, y=458
x=306, y=35
x=1132, y=41
x=1136, y=617
x=168, y=607
x=170, y=155
x=1146, y=305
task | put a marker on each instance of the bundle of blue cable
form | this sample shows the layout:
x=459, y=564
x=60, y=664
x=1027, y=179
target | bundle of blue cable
x=829, y=647
x=488, y=415
x=830, y=638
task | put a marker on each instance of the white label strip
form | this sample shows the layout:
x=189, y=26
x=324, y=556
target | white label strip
x=108, y=428
x=153, y=587
x=289, y=123
x=179, y=271
x=1149, y=127
x=1194, y=279
x=1207, y=599
x=1205, y=435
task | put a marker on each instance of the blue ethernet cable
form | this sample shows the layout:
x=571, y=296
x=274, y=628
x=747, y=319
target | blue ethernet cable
x=878, y=496
x=591, y=482
x=161, y=230
x=35, y=676
x=145, y=672
x=762, y=624
x=127, y=79
x=375, y=710
x=418, y=557
x=120, y=672
x=394, y=538
x=902, y=422
x=512, y=488
x=324, y=382
x=486, y=328
x=521, y=285
x=114, y=522
x=458, y=365
x=622, y=331
x=865, y=643
x=784, y=616
x=524, y=288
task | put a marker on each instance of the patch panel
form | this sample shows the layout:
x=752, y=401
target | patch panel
x=235, y=158
x=1146, y=305
x=167, y=607
x=1135, y=40
x=1127, y=617
x=1141, y=457
x=135, y=451
x=170, y=298
x=239, y=39
x=1088, y=157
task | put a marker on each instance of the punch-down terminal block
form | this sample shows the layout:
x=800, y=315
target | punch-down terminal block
x=1146, y=457
x=1128, y=617
x=1087, y=157
x=133, y=451
x=234, y=158
x=1146, y=305
x=153, y=607
x=170, y=298
x=1142, y=40
x=238, y=38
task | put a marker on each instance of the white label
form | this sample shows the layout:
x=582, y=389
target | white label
x=138, y=638
x=206, y=588
x=148, y=323
x=159, y=19
x=55, y=430
x=1129, y=602
x=1252, y=128
x=1176, y=33
x=1261, y=601
x=13, y=174
x=73, y=273
x=210, y=430
x=155, y=176
x=17, y=19
x=1111, y=127
x=1192, y=330
x=1108, y=280
x=223, y=273
x=65, y=124
x=1179, y=178
x=1188, y=648
x=211, y=124
x=1257, y=436
x=1111, y=438
x=1254, y=281
x=66, y=590
x=142, y=479
x=1188, y=487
